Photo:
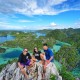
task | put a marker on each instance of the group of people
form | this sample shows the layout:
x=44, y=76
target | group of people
x=27, y=60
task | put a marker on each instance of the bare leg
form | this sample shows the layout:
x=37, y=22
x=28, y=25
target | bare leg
x=24, y=72
x=44, y=69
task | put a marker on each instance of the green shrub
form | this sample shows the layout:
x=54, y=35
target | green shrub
x=66, y=75
x=52, y=77
x=68, y=56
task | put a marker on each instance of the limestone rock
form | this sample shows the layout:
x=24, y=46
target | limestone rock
x=12, y=72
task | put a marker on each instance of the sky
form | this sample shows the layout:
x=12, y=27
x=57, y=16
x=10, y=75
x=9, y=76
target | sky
x=39, y=14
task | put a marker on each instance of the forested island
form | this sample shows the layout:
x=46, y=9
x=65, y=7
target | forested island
x=68, y=55
x=2, y=50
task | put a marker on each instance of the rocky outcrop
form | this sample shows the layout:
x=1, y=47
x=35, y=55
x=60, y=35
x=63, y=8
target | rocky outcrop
x=77, y=78
x=12, y=72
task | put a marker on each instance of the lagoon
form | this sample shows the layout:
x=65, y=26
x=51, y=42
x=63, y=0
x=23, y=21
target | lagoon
x=6, y=38
x=12, y=53
x=40, y=34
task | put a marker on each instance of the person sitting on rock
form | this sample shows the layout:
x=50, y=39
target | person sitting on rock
x=48, y=69
x=36, y=54
x=48, y=53
x=46, y=57
x=24, y=60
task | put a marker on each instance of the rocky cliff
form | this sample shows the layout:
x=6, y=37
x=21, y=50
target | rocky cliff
x=12, y=72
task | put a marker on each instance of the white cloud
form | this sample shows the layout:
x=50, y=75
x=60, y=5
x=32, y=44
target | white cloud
x=53, y=24
x=55, y=2
x=34, y=7
x=25, y=21
x=3, y=23
x=77, y=24
x=58, y=26
x=9, y=27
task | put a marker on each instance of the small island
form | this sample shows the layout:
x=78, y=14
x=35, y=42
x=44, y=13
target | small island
x=2, y=50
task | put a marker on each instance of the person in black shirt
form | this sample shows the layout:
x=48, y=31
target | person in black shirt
x=24, y=60
x=36, y=54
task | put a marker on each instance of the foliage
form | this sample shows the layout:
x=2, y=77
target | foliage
x=57, y=34
x=2, y=50
x=66, y=75
x=68, y=56
x=52, y=77
x=28, y=40
x=2, y=66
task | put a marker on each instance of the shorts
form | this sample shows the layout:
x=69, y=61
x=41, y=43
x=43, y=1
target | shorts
x=26, y=64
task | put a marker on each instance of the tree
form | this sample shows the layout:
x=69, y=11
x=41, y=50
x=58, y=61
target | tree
x=68, y=56
x=57, y=34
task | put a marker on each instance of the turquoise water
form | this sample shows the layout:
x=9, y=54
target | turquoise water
x=6, y=38
x=39, y=34
x=58, y=45
x=62, y=43
x=10, y=53
x=76, y=72
x=58, y=65
x=15, y=52
x=56, y=48
x=35, y=32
